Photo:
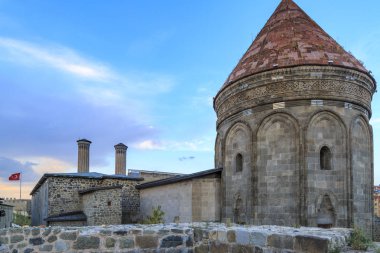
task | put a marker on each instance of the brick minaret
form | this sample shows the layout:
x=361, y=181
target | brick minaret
x=120, y=159
x=83, y=155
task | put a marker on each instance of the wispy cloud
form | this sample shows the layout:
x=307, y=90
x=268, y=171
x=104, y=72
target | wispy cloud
x=58, y=57
x=204, y=144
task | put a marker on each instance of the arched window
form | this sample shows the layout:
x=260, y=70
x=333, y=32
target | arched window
x=239, y=163
x=325, y=158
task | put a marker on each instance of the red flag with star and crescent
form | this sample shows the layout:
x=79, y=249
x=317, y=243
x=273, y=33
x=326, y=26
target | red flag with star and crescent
x=15, y=177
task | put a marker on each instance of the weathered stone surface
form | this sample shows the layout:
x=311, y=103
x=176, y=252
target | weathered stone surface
x=259, y=238
x=46, y=247
x=35, y=231
x=171, y=241
x=17, y=238
x=126, y=243
x=311, y=244
x=110, y=242
x=231, y=236
x=189, y=241
x=22, y=245
x=36, y=241
x=242, y=249
x=86, y=242
x=3, y=232
x=61, y=246
x=281, y=241
x=4, y=240
x=28, y=250
x=16, y=231
x=70, y=236
x=46, y=232
x=146, y=241
x=52, y=238
x=201, y=249
x=217, y=247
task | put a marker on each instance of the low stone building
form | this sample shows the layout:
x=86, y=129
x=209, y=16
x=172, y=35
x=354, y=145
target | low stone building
x=89, y=198
x=21, y=206
x=186, y=198
x=6, y=215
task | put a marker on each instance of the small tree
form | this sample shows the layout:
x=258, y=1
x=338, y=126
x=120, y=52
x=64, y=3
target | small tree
x=358, y=240
x=156, y=217
x=21, y=220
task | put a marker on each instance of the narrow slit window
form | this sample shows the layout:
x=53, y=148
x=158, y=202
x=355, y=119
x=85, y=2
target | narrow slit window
x=325, y=158
x=239, y=163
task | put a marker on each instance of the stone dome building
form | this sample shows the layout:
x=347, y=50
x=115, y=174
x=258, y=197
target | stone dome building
x=293, y=132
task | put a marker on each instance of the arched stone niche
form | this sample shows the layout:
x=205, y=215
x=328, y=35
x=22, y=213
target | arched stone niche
x=326, y=132
x=278, y=171
x=362, y=173
x=235, y=182
x=325, y=213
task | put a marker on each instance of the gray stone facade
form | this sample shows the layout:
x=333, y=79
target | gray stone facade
x=280, y=122
x=59, y=194
x=6, y=220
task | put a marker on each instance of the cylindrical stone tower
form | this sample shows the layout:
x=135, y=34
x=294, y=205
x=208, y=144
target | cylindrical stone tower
x=293, y=132
x=83, y=155
x=120, y=159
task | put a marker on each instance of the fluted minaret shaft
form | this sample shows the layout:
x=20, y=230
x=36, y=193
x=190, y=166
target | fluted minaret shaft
x=120, y=159
x=83, y=156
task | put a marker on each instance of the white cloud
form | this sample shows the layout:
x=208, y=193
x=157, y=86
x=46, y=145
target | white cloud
x=44, y=164
x=203, y=144
x=58, y=57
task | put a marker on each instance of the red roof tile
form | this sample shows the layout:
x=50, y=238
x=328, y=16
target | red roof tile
x=291, y=38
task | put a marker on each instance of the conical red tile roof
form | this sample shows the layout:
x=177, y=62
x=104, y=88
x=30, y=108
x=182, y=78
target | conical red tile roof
x=291, y=38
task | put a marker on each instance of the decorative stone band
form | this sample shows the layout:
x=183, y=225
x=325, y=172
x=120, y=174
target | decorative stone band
x=289, y=104
x=292, y=84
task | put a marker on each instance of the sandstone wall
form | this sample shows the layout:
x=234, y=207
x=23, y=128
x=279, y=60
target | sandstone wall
x=184, y=238
x=175, y=200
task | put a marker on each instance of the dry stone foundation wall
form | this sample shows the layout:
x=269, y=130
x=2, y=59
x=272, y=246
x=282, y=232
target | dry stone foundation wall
x=182, y=238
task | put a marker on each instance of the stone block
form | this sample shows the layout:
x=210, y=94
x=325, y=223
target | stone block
x=36, y=241
x=281, y=241
x=17, y=238
x=311, y=244
x=171, y=241
x=231, y=236
x=35, y=231
x=28, y=250
x=259, y=238
x=4, y=240
x=69, y=236
x=125, y=243
x=46, y=247
x=146, y=241
x=201, y=249
x=52, y=238
x=110, y=242
x=61, y=246
x=217, y=247
x=242, y=249
x=86, y=242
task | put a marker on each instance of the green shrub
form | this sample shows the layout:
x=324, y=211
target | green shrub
x=358, y=240
x=21, y=220
x=336, y=249
x=157, y=216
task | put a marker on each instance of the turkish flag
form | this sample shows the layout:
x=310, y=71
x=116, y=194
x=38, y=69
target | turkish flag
x=15, y=177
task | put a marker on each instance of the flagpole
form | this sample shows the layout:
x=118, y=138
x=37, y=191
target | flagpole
x=20, y=185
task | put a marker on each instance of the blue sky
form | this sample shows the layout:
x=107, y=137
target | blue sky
x=139, y=72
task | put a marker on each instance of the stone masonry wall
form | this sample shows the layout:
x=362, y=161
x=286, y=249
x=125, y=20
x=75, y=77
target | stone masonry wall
x=63, y=197
x=103, y=207
x=183, y=238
